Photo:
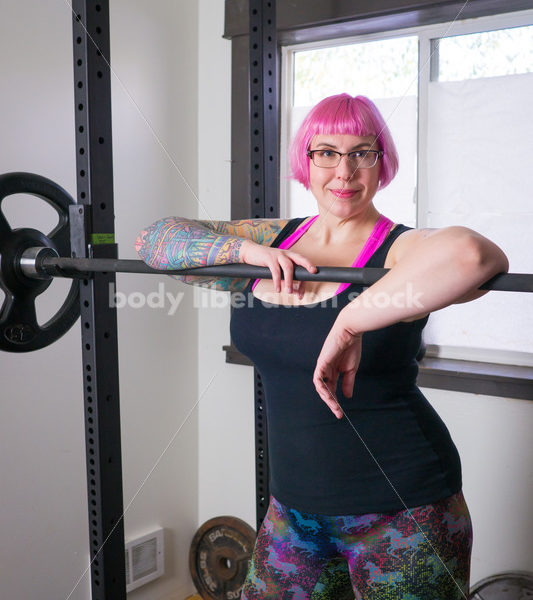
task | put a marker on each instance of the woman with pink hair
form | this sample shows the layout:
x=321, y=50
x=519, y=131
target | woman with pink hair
x=362, y=469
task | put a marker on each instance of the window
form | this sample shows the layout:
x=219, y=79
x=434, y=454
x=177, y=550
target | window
x=457, y=98
x=385, y=71
x=333, y=70
x=487, y=54
x=479, y=147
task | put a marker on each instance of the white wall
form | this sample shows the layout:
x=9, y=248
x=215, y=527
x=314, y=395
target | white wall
x=43, y=513
x=226, y=451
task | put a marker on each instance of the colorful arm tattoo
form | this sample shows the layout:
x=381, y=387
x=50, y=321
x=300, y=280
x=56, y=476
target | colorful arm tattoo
x=178, y=243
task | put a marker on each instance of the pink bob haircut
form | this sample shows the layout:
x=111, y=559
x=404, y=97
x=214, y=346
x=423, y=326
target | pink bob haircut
x=343, y=114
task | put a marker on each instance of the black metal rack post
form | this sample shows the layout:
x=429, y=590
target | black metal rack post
x=264, y=197
x=92, y=85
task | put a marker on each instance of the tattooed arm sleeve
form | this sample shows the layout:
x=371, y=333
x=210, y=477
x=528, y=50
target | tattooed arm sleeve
x=178, y=243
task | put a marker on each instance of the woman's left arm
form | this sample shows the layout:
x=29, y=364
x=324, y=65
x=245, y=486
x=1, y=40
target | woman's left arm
x=433, y=269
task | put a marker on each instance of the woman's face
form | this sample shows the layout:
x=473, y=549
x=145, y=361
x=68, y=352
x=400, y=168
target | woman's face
x=342, y=190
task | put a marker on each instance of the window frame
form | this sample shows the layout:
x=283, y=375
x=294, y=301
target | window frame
x=428, y=20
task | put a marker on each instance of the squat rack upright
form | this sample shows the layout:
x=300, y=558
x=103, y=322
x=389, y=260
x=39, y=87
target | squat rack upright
x=92, y=236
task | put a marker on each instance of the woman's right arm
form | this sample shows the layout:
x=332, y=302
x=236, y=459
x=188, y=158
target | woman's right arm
x=178, y=243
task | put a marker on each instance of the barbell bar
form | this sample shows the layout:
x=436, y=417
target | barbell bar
x=44, y=262
x=30, y=259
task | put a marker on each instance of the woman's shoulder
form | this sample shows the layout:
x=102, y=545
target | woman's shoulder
x=404, y=240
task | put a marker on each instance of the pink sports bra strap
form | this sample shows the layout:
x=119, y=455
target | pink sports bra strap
x=376, y=238
x=296, y=235
x=374, y=241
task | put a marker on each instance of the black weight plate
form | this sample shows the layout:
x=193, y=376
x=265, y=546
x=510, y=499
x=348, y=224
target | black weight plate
x=19, y=329
x=219, y=557
x=516, y=585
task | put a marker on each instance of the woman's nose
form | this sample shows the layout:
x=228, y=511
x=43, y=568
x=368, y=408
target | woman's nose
x=345, y=169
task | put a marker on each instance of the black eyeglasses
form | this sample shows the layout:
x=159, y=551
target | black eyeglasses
x=358, y=159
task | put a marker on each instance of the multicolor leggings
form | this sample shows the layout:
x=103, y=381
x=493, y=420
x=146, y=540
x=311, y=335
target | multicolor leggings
x=418, y=554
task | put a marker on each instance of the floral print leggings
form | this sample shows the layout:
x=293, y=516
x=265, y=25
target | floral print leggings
x=418, y=554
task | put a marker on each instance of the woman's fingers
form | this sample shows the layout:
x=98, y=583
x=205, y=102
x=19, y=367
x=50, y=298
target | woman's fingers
x=288, y=269
x=326, y=386
x=340, y=356
x=302, y=261
x=307, y=264
x=276, y=275
x=348, y=381
x=285, y=262
x=278, y=261
x=288, y=260
x=298, y=288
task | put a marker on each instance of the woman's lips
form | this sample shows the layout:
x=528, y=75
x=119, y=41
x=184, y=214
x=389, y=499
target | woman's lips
x=343, y=193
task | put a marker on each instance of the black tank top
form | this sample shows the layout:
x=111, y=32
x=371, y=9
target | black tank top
x=321, y=464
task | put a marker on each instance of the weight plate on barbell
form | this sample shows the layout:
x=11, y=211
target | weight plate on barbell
x=19, y=329
x=219, y=557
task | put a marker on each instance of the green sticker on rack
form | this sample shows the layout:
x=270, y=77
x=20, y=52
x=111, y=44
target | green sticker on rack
x=102, y=238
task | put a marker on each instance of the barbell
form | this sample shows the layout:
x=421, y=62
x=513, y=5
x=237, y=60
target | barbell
x=30, y=259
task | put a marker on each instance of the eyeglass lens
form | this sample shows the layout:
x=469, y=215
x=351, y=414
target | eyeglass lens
x=359, y=160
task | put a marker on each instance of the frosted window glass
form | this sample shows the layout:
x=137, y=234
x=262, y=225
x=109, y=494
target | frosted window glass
x=380, y=69
x=473, y=183
x=487, y=54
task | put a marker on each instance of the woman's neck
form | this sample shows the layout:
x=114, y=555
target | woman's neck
x=331, y=229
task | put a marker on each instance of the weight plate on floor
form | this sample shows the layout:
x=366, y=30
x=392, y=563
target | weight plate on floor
x=219, y=557
x=515, y=585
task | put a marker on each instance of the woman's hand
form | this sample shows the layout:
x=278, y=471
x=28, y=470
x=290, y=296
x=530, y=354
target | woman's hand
x=277, y=261
x=340, y=355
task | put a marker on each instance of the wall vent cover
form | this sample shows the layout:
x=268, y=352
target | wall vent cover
x=144, y=559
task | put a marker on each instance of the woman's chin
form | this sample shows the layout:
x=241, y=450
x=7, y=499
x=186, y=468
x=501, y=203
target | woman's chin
x=344, y=208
